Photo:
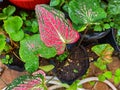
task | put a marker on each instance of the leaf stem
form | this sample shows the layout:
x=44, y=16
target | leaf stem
x=82, y=38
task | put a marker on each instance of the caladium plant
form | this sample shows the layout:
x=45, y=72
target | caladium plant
x=36, y=81
x=55, y=30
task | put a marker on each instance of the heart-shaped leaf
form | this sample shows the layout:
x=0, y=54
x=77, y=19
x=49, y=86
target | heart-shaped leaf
x=30, y=48
x=55, y=30
x=104, y=51
x=85, y=11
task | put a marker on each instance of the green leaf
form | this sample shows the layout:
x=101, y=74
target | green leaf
x=23, y=15
x=100, y=64
x=47, y=68
x=74, y=86
x=104, y=51
x=31, y=48
x=85, y=12
x=2, y=42
x=108, y=74
x=13, y=24
x=9, y=10
x=55, y=2
x=17, y=36
x=117, y=72
x=97, y=28
x=106, y=26
x=28, y=23
x=116, y=79
x=3, y=16
x=101, y=77
x=35, y=26
x=114, y=7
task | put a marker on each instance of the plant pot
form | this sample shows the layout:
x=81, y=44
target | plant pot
x=110, y=38
x=74, y=66
x=95, y=35
x=28, y=4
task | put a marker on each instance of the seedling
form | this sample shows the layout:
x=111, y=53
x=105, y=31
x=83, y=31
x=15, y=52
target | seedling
x=104, y=51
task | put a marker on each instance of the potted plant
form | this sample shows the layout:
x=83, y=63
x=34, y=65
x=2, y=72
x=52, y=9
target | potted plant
x=112, y=10
x=61, y=33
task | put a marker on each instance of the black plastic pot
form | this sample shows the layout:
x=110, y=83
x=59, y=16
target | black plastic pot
x=95, y=35
x=74, y=67
x=110, y=38
x=16, y=65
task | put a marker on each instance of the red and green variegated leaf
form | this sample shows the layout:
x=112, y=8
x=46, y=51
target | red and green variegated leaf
x=55, y=30
x=36, y=81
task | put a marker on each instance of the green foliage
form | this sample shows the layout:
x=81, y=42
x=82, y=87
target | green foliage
x=9, y=10
x=114, y=7
x=74, y=86
x=31, y=26
x=2, y=42
x=3, y=16
x=13, y=27
x=47, y=68
x=104, y=51
x=30, y=48
x=23, y=15
x=105, y=75
x=62, y=56
x=117, y=76
x=85, y=12
x=54, y=2
x=7, y=60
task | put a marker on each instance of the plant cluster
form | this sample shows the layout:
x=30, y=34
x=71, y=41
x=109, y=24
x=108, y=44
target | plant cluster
x=48, y=34
x=96, y=15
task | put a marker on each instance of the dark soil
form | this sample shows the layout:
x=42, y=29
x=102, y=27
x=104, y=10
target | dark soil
x=74, y=66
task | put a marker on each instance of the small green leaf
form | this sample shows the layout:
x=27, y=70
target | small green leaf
x=9, y=10
x=117, y=72
x=13, y=24
x=74, y=85
x=47, y=68
x=97, y=28
x=54, y=2
x=23, y=15
x=28, y=23
x=116, y=79
x=108, y=74
x=35, y=26
x=106, y=26
x=101, y=77
x=3, y=16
